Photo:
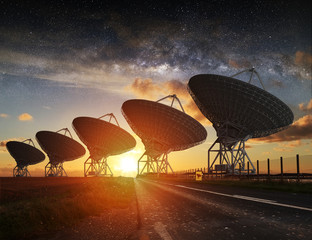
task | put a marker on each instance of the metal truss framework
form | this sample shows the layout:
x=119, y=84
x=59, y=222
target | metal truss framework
x=231, y=151
x=159, y=164
x=21, y=172
x=234, y=157
x=99, y=168
x=252, y=71
x=55, y=170
x=174, y=97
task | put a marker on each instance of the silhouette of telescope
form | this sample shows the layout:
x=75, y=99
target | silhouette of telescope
x=103, y=139
x=24, y=154
x=59, y=148
x=238, y=111
x=163, y=129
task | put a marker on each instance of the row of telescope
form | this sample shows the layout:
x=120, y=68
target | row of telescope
x=237, y=110
x=152, y=121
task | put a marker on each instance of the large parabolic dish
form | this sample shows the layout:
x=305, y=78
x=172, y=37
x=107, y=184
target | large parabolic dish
x=243, y=108
x=238, y=111
x=103, y=139
x=59, y=149
x=24, y=155
x=163, y=129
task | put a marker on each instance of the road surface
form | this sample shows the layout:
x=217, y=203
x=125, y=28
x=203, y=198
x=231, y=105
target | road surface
x=169, y=210
x=187, y=211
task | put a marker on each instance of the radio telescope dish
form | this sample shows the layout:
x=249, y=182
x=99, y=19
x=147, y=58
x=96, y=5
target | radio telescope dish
x=103, y=139
x=24, y=155
x=163, y=129
x=238, y=111
x=59, y=149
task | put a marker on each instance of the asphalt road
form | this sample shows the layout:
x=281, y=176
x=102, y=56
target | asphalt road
x=168, y=210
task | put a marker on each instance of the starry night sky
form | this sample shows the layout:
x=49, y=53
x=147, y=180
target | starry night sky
x=62, y=59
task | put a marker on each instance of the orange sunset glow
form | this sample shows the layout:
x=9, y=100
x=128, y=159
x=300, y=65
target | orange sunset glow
x=155, y=120
x=79, y=71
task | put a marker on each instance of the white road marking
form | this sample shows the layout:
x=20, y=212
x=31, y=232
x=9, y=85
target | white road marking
x=266, y=201
x=160, y=228
x=254, y=199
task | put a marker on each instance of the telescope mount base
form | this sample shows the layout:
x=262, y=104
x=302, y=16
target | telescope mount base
x=55, y=170
x=157, y=165
x=98, y=168
x=233, y=159
x=21, y=172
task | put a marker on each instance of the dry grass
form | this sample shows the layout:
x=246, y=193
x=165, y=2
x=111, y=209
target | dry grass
x=285, y=186
x=36, y=205
x=295, y=187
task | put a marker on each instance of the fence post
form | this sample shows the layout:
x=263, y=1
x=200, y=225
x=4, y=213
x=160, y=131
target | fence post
x=208, y=163
x=269, y=169
x=240, y=170
x=282, y=172
x=298, y=172
x=248, y=170
x=221, y=172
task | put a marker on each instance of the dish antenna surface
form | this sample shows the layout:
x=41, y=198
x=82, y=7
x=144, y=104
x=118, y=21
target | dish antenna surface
x=238, y=111
x=103, y=139
x=25, y=153
x=59, y=148
x=163, y=129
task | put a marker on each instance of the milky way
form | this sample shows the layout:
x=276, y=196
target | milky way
x=107, y=45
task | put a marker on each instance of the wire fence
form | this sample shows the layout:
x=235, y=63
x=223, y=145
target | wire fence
x=258, y=175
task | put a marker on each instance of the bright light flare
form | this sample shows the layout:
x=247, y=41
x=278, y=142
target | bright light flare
x=128, y=164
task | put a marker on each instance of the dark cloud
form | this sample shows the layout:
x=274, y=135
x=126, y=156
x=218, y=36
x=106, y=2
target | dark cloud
x=148, y=89
x=239, y=64
x=290, y=146
x=299, y=130
x=275, y=83
x=144, y=88
x=4, y=142
x=306, y=107
x=303, y=59
x=303, y=62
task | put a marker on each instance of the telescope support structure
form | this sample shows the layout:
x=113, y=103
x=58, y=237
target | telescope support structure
x=55, y=170
x=234, y=157
x=252, y=72
x=159, y=164
x=98, y=168
x=21, y=172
